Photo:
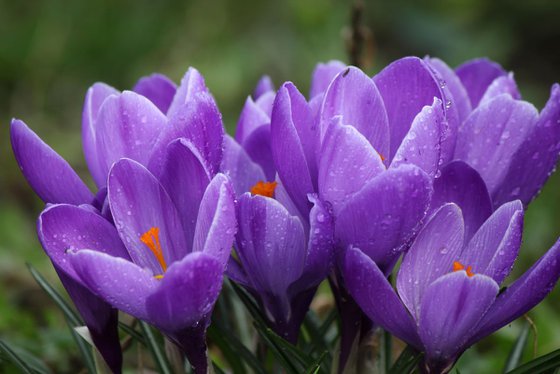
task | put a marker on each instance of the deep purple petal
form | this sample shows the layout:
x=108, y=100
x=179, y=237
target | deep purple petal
x=432, y=254
x=257, y=146
x=322, y=76
x=385, y=214
x=451, y=308
x=50, y=176
x=238, y=166
x=187, y=292
x=501, y=85
x=353, y=96
x=95, y=97
x=252, y=117
x=138, y=203
x=263, y=86
x=185, y=179
x=422, y=144
x=159, y=89
x=375, y=296
x=476, y=75
x=216, y=224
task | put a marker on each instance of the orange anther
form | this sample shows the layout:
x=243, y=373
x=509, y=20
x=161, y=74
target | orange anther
x=264, y=188
x=457, y=266
x=151, y=239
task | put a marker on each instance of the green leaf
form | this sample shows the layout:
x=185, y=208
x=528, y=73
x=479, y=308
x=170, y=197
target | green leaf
x=316, y=366
x=387, y=350
x=84, y=348
x=132, y=333
x=516, y=353
x=318, y=341
x=539, y=365
x=155, y=349
x=406, y=362
x=16, y=359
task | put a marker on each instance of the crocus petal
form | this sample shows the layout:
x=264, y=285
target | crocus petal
x=461, y=184
x=257, y=146
x=252, y=117
x=192, y=84
x=536, y=158
x=494, y=247
x=128, y=125
x=159, y=89
x=406, y=85
x=385, y=214
x=451, y=308
x=50, y=176
x=422, y=144
x=456, y=88
x=287, y=148
x=95, y=97
x=432, y=254
x=322, y=76
x=216, y=225
x=347, y=163
x=66, y=228
x=501, y=85
x=374, y=294
x=119, y=282
x=353, y=96
x=266, y=101
x=187, y=292
x=185, y=179
x=238, y=166
x=138, y=203
x=489, y=149
x=476, y=75
x=523, y=294
x=263, y=86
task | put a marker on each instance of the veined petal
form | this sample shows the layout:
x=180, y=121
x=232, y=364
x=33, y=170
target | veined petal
x=257, y=145
x=504, y=84
x=238, y=166
x=476, y=75
x=159, y=89
x=192, y=84
x=252, y=117
x=323, y=74
x=50, y=176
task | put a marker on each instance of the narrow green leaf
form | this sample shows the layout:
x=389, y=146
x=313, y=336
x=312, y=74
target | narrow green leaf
x=406, y=362
x=318, y=341
x=516, y=353
x=387, y=350
x=84, y=348
x=280, y=355
x=291, y=350
x=155, y=349
x=233, y=350
x=16, y=359
x=539, y=365
x=316, y=366
x=132, y=333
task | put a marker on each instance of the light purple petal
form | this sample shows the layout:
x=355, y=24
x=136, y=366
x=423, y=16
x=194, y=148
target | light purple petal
x=476, y=75
x=494, y=248
x=187, y=293
x=216, y=224
x=95, y=97
x=50, y=176
x=257, y=146
x=138, y=203
x=432, y=254
x=252, y=117
x=385, y=214
x=322, y=76
x=422, y=144
x=185, y=179
x=501, y=85
x=159, y=89
x=353, y=96
x=67, y=228
x=265, y=102
x=192, y=84
x=263, y=86
x=238, y=166
x=375, y=296
x=461, y=184
x=451, y=308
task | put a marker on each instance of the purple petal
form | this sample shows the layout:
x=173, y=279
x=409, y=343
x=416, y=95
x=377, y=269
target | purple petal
x=476, y=75
x=119, y=282
x=50, y=176
x=353, y=96
x=451, y=308
x=159, y=89
x=375, y=296
x=216, y=224
x=323, y=74
x=494, y=248
x=128, y=126
x=265, y=102
x=95, y=97
x=264, y=85
x=187, y=292
x=138, y=203
x=385, y=214
x=347, y=163
x=238, y=166
x=67, y=228
x=185, y=179
x=462, y=185
x=501, y=85
x=257, y=146
x=432, y=254
x=252, y=117
x=536, y=158
x=192, y=84
x=422, y=144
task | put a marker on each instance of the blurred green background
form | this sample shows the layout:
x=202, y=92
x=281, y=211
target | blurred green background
x=52, y=51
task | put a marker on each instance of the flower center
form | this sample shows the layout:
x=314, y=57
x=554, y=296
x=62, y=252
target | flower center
x=264, y=188
x=151, y=239
x=457, y=266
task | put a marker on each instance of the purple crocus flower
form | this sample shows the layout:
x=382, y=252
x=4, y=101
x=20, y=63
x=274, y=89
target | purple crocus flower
x=448, y=289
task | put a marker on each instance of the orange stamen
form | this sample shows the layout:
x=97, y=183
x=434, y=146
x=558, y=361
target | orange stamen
x=151, y=239
x=382, y=157
x=457, y=266
x=264, y=188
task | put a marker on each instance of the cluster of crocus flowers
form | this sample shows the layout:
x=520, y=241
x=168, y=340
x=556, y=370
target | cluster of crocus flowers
x=419, y=162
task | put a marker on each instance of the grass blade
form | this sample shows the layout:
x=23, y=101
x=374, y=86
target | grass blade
x=155, y=348
x=543, y=364
x=516, y=354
